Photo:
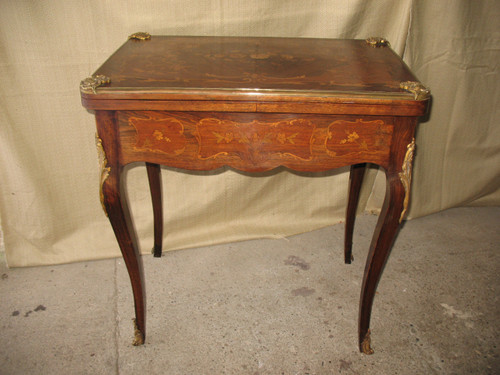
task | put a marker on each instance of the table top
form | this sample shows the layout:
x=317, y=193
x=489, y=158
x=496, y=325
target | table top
x=239, y=68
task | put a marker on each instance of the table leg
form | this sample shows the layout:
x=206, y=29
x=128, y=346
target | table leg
x=154, y=177
x=355, y=180
x=383, y=238
x=116, y=209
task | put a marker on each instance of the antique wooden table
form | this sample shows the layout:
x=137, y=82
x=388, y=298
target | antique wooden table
x=254, y=104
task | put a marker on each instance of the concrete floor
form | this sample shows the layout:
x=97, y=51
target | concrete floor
x=269, y=307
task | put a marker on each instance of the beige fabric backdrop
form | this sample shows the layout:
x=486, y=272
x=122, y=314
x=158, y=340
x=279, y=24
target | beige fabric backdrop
x=49, y=207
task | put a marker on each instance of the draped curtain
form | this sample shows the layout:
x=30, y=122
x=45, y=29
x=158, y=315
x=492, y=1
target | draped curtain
x=49, y=206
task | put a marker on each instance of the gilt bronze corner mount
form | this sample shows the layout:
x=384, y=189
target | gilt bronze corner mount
x=417, y=89
x=141, y=35
x=376, y=41
x=90, y=84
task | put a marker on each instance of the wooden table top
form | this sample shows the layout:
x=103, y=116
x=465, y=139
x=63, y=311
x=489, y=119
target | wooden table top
x=239, y=67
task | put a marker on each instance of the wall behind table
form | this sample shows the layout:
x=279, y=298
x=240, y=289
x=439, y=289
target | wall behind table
x=49, y=207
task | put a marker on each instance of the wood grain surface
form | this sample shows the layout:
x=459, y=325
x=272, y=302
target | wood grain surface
x=251, y=142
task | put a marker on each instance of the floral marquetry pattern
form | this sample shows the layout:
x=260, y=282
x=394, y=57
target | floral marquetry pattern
x=205, y=140
x=353, y=137
x=159, y=135
x=357, y=136
x=255, y=140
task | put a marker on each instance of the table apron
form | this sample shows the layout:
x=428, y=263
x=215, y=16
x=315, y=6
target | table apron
x=254, y=141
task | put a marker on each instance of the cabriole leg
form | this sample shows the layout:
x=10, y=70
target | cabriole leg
x=383, y=238
x=117, y=211
x=355, y=181
x=154, y=177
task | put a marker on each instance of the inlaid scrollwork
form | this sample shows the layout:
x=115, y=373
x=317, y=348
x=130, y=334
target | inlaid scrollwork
x=163, y=136
x=357, y=136
x=255, y=141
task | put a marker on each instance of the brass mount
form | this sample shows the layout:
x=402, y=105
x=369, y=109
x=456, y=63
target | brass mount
x=90, y=84
x=417, y=89
x=376, y=41
x=140, y=36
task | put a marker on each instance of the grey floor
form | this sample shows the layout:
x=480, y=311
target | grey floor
x=269, y=307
